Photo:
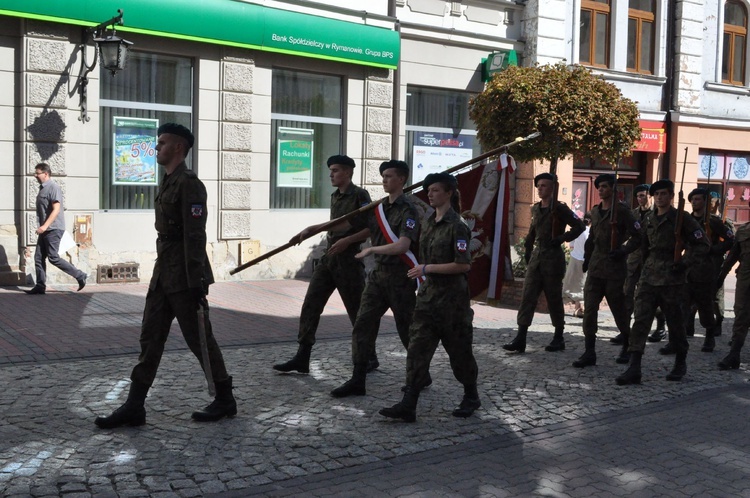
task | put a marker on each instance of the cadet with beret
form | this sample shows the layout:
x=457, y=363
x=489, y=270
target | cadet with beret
x=662, y=280
x=740, y=251
x=338, y=268
x=394, y=232
x=179, y=284
x=607, y=266
x=545, y=262
x=701, y=278
x=443, y=311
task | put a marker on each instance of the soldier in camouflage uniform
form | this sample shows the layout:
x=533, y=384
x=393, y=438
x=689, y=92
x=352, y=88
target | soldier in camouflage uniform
x=606, y=266
x=178, y=286
x=701, y=278
x=443, y=311
x=338, y=268
x=635, y=263
x=663, y=279
x=740, y=251
x=388, y=285
x=545, y=260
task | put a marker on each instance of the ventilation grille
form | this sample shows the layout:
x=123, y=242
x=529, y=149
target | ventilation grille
x=118, y=273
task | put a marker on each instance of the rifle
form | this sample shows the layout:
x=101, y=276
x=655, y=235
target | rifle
x=614, y=239
x=556, y=229
x=326, y=226
x=726, y=197
x=202, y=316
x=707, y=203
x=679, y=243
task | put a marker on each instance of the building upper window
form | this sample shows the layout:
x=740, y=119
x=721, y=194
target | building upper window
x=306, y=129
x=594, y=48
x=641, y=36
x=152, y=90
x=735, y=41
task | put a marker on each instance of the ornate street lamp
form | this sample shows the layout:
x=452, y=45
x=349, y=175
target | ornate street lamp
x=112, y=49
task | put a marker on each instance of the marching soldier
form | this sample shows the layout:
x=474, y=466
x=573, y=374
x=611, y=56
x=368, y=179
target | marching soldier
x=545, y=260
x=338, y=268
x=606, y=266
x=662, y=280
x=394, y=232
x=179, y=285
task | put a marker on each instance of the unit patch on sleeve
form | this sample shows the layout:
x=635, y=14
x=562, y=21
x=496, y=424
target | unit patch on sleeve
x=410, y=223
x=196, y=210
x=461, y=245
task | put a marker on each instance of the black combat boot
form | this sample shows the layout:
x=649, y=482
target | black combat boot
x=709, y=342
x=680, y=367
x=618, y=339
x=132, y=413
x=427, y=383
x=354, y=386
x=300, y=362
x=732, y=360
x=372, y=363
x=667, y=349
x=222, y=406
x=406, y=409
x=519, y=342
x=557, y=343
x=624, y=357
x=469, y=403
x=588, y=358
x=717, y=327
x=633, y=374
x=661, y=330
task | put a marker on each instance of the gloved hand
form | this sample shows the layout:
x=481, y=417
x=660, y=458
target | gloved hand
x=198, y=295
x=527, y=255
x=678, y=267
x=585, y=266
x=557, y=241
x=617, y=254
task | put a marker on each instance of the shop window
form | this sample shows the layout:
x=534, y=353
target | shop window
x=594, y=48
x=153, y=89
x=735, y=41
x=641, y=36
x=727, y=176
x=439, y=132
x=306, y=129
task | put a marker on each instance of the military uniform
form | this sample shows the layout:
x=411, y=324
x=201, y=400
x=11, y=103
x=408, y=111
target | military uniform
x=182, y=269
x=701, y=279
x=387, y=285
x=740, y=252
x=606, y=271
x=546, y=265
x=443, y=309
x=634, y=265
x=341, y=271
x=662, y=283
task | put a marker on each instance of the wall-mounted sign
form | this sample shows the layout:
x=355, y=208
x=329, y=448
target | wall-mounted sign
x=653, y=137
x=294, y=157
x=497, y=61
x=134, y=151
x=436, y=152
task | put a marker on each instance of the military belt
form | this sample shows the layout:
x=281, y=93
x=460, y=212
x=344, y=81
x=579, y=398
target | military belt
x=167, y=237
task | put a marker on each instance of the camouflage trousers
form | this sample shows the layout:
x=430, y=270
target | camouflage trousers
x=447, y=319
x=594, y=291
x=741, y=311
x=699, y=296
x=667, y=297
x=533, y=285
x=386, y=287
x=631, y=284
x=161, y=309
x=343, y=272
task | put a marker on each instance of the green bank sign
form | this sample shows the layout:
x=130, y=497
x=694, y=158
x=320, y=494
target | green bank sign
x=227, y=22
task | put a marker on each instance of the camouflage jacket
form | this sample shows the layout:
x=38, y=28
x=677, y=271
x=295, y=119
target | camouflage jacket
x=547, y=257
x=445, y=241
x=342, y=204
x=740, y=251
x=599, y=243
x=403, y=218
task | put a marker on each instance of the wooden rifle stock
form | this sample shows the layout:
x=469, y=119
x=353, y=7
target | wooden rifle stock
x=326, y=226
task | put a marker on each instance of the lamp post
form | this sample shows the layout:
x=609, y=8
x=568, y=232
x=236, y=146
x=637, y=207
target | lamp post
x=112, y=49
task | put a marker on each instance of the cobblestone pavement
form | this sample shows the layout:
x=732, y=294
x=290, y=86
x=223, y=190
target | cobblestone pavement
x=544, y=429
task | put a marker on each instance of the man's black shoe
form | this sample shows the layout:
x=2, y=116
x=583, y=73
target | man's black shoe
x=128, y=414
x=618, y=339
x=467, y=407
x=81, y=283
x=36, y=290
x=657, y=335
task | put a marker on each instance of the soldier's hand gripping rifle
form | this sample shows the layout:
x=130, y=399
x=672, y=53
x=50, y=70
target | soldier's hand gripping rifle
x=326, y=226
x=679, y=243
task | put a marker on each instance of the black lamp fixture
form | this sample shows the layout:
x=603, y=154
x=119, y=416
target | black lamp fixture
x=112, y=49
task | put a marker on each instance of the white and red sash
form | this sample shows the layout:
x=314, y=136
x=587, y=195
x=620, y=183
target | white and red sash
x=385, y=228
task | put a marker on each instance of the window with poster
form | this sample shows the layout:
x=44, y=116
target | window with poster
x=586, y=169
x=727, y=176
x=439, y=132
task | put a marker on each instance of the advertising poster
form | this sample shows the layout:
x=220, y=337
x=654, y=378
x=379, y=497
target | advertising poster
x=436, y=152
x=133, y=151
x=739, y=168
x=294, y=158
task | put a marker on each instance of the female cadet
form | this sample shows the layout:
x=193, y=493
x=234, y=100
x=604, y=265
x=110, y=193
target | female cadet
x=443, y=310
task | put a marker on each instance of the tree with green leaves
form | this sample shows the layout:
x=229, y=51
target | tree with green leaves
x=576, y=112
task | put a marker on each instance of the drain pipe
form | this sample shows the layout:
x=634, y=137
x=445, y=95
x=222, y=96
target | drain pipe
x=396, y=112
x=667, y=100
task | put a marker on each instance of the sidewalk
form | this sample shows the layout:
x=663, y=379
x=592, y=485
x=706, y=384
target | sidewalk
x=544, y=429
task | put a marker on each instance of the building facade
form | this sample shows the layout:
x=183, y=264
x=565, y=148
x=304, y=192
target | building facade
x=270, y=89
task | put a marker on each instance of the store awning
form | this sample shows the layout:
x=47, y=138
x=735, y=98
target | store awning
x=653, y=137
